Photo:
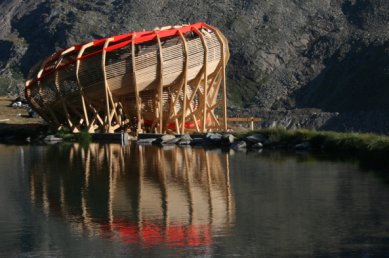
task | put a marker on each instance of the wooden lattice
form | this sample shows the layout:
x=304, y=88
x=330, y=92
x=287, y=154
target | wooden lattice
x=166, y=80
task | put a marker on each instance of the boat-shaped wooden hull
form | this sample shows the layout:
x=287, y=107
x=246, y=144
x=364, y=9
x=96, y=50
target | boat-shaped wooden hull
x=167, y=80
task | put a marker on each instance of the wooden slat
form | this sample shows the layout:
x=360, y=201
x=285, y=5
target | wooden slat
x=137, y=98
x=160, y=85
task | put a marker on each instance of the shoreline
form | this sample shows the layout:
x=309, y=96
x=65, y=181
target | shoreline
x=356, y=145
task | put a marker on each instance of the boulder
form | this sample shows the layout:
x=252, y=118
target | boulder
x=213, y=139
x=197, y=141
x=255, y=138
x=52, y=139
x=257, y=146
x=228, y=139
x=166, y=139
x=239, y=145
x=186, y=137
x=146, y=141
x=171, y=141
x=185, y=140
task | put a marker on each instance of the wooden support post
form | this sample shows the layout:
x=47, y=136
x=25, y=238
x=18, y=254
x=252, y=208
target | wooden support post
x=39, y=74
x=205, y=65
x=185, y=74
x=80, y=87
x=172, y=109
x=216, y=82
x=213, y=85
x=108, y=128
x=72, y=126
x=137, y=97
x=224, y=94
x=160, y=84
x=223, y=63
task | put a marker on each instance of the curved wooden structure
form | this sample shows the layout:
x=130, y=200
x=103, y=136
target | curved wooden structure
x=166, y=80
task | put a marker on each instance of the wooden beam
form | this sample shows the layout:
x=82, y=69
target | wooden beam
x=205, y=65
x=71, y=125
x=80, y=87
x=136, y=90
x=185, y=76
x=160, y=84
x=108, y=125
x=173, y=103
x=223, y=63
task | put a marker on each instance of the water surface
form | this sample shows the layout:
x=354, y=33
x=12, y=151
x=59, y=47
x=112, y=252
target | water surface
x=140, y=201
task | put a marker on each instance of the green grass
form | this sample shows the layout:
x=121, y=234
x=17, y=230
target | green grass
x=352, y=144
x=81, y=137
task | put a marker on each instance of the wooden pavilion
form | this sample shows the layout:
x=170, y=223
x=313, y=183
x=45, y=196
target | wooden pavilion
x=169, y=80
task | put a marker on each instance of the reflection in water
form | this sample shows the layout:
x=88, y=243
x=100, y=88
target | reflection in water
x=109, y=201
x=137, y=194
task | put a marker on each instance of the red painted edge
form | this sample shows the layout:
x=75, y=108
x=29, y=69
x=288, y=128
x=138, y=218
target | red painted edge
x=117, y=42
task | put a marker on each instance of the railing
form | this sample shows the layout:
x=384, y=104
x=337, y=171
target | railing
x=250, y=120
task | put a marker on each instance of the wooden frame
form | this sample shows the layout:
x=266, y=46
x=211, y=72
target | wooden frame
x=169, y=80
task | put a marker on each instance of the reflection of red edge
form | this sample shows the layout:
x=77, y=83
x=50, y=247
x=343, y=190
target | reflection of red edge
x=152, y=234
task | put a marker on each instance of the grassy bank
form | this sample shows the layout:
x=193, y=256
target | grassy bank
x=10, y=115
x=359, y=145
x=67, y=136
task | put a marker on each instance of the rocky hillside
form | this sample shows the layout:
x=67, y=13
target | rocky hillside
x=312, y=63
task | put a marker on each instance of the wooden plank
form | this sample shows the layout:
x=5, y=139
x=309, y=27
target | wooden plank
x=72, y=126
x=223, y=63
x=80, y=88
x=160, y=85
x=108, y=125
x=185, y=76
x=205, y=65
x=137, y=97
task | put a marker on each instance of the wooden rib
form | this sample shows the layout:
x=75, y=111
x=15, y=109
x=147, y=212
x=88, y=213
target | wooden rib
x=106, y=87
x=223, y=64
x=205, y=65
x=137, y=98
x=72, y=126
x=217, y=83
x=213, y=99
x=197, y=82
x=79, y=82
x=96, y=116
x=185, y=76
x=160, y=84
x=210, y=111
x=211, y=85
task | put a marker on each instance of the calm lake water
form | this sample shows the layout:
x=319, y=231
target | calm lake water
x=142, y=201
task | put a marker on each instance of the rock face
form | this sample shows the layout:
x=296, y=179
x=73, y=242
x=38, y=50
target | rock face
x=330, y=56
